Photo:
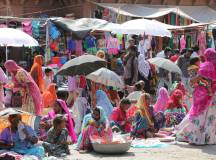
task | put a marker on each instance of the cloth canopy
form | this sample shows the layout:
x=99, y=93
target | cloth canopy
x=141, y=26
x=80, y=27
x=196, y=13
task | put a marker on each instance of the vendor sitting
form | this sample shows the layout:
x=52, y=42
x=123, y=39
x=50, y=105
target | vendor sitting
x=20, y=138
x=119, y=119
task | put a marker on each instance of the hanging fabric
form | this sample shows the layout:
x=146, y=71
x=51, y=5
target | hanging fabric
x=27, y=27
x=173, y=19
x=36, y=29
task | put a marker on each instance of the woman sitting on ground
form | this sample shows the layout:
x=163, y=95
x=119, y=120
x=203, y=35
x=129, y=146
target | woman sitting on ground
x=147, y=123
x=119, y=119
x=95, y=125
x=59, y=107
x=56, y=143
x=162, y=100
x=20, y=138
x=176, y=109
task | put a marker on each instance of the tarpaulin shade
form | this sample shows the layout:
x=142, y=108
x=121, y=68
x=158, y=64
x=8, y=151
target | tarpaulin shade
x=196, y=13
x=80, y=27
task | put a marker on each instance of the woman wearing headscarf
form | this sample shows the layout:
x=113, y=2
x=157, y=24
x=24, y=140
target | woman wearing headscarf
x=32, y=100
x=144, y=70
x=199, y=126
x=79, y=110
x=25, y=143
x=130, y=66
x=37, y=73
x=60, y=107
x=175, y=110
x=103, y=101
x=3, y=80
x=95, y=125
x=162, y=100
x=49, y=96
x=147, y=123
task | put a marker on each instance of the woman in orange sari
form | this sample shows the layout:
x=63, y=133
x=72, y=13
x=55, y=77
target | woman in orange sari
x=49, y=96
x=37, y=73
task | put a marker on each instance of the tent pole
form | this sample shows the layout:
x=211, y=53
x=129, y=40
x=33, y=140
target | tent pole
x=6, y=52
x=47, y=56
x=6, y=57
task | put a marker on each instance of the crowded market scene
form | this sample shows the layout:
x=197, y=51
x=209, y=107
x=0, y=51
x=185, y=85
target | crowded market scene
x=107, y=79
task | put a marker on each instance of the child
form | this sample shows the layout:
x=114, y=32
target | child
x=56, y=143
x=194, y=67
x=48, y=77
x=195, y=78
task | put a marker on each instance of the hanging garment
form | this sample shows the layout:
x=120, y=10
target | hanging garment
x=27, y=27
x=188, y=41
x=71, y=45
x=120, y=40
x=101, y=45
x=54, y=33
x=201, y=39
x=79, y=47
x=112, y=46
x=182, y=43
x=90, y=45
x=173, y=19
x=36, y=29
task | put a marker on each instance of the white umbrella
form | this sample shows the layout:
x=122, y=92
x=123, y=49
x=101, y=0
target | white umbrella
x=15, y=38
x=141, y=26
x=165, y=64
x=134, y=96
x=106, y=77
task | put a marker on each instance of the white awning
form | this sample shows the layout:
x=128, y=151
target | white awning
x=197, y=13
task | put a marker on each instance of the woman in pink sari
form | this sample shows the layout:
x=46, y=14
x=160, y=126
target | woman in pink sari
x=22, y=80
x=60, y=107
x=199, y=126
x=162, y=101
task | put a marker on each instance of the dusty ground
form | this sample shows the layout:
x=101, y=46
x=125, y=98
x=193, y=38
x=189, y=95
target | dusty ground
x=179, y=151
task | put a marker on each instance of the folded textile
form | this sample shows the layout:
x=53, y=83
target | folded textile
x=137, y=143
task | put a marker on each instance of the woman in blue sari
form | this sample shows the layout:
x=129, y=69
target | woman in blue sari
x=20, y=138
x=104, y=102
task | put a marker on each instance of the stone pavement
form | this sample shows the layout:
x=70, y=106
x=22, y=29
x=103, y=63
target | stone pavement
x=179, y=151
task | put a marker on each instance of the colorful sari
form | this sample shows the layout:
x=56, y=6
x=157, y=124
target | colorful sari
x=90, y=132
x=49, y=96
x=70, y=127
x=24, y=147
x=199, y=126
x=32, y=100
x=146, y=120
x=176, y=110
x=118, y=118
x=37, y=72
x=104, y=102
